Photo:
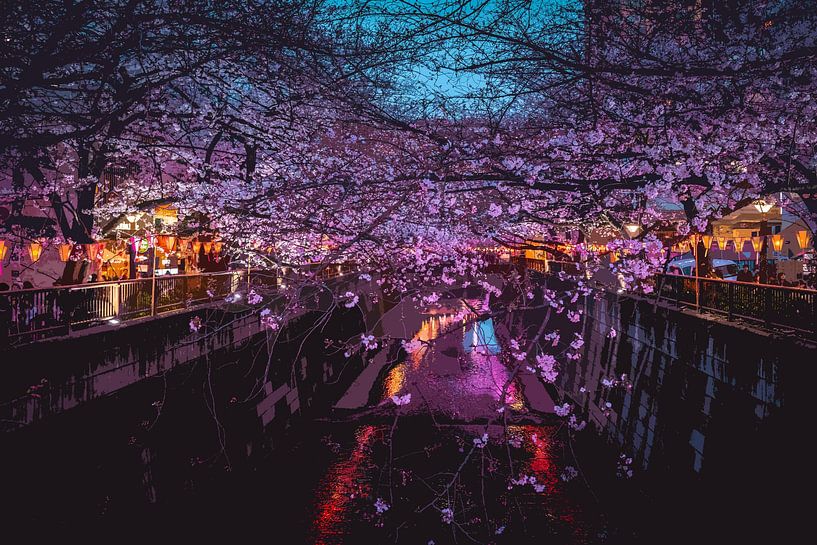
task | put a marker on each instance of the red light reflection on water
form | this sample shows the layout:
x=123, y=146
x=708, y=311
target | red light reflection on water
x=335, y=492
x=541, y=444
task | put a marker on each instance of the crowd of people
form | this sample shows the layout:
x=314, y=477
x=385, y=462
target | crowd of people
x=745, y=274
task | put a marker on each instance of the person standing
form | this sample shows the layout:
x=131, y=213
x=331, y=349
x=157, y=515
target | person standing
x=745, y=275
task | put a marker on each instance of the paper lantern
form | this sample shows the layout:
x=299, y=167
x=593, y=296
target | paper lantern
x=91, y=250
x=196, y=247
x=207, y=247
x=757, y=244
x=802, y=239
x=218, y=246
x=65, y=251
x=721, y=242
x=166, y=242
x=3, y=250
x=777, y=243
x=707, y=243
x=35, y=250
x=613, y=257
x=739, y=243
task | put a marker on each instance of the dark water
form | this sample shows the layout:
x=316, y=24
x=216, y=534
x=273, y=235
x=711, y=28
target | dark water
x=716, y=428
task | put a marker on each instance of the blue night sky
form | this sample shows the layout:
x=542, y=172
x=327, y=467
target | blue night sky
x=442, y=86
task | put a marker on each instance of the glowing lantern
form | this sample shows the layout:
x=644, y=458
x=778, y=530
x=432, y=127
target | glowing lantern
x=196, y=247
x=757, y=243
x=762, y=206
x=777, y=243
x=65, y=251
x=721, y=243
x=218, y=246
x=207, y=247
x=632, y=229
x=3, y=250
x=92, y=250
x=35, y=250
x=707, y=243
x=613, y=257
x=166, y=242
x=802, y=239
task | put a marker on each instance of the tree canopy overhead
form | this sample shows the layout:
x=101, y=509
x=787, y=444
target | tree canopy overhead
x=381, y=124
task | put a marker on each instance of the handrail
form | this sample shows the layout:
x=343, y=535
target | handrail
x=773, y=306
x=756, y=284
x=35, y=313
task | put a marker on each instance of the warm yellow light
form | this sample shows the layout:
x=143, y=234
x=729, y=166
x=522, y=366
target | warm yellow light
x=777, y=243
x=707, y=243
x=762, y=206
x=757, y=243
x=35, y=250
x=65, y=251
x=802, y=239
x=632, y=229
x=721, y=243
x=3, y=250
x=92, y=250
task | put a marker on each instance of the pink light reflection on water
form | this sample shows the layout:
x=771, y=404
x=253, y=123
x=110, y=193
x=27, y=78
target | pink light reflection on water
x=461, y=375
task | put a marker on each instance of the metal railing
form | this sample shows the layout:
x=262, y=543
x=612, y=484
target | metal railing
x=762, y=304
x=778, y=306
x=549, y=266
x=33, y=314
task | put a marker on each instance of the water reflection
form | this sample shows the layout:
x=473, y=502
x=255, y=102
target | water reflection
x=343, y=482
x=460, y=373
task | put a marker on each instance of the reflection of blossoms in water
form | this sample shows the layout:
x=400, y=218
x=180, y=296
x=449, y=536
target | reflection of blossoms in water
x=481, y=442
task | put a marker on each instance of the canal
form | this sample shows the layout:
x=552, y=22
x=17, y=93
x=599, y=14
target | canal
x=678, y=437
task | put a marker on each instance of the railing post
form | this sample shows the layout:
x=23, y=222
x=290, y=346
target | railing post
x=814, y=313
x=677, y=285
x=767, y=305
x=153, y=294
